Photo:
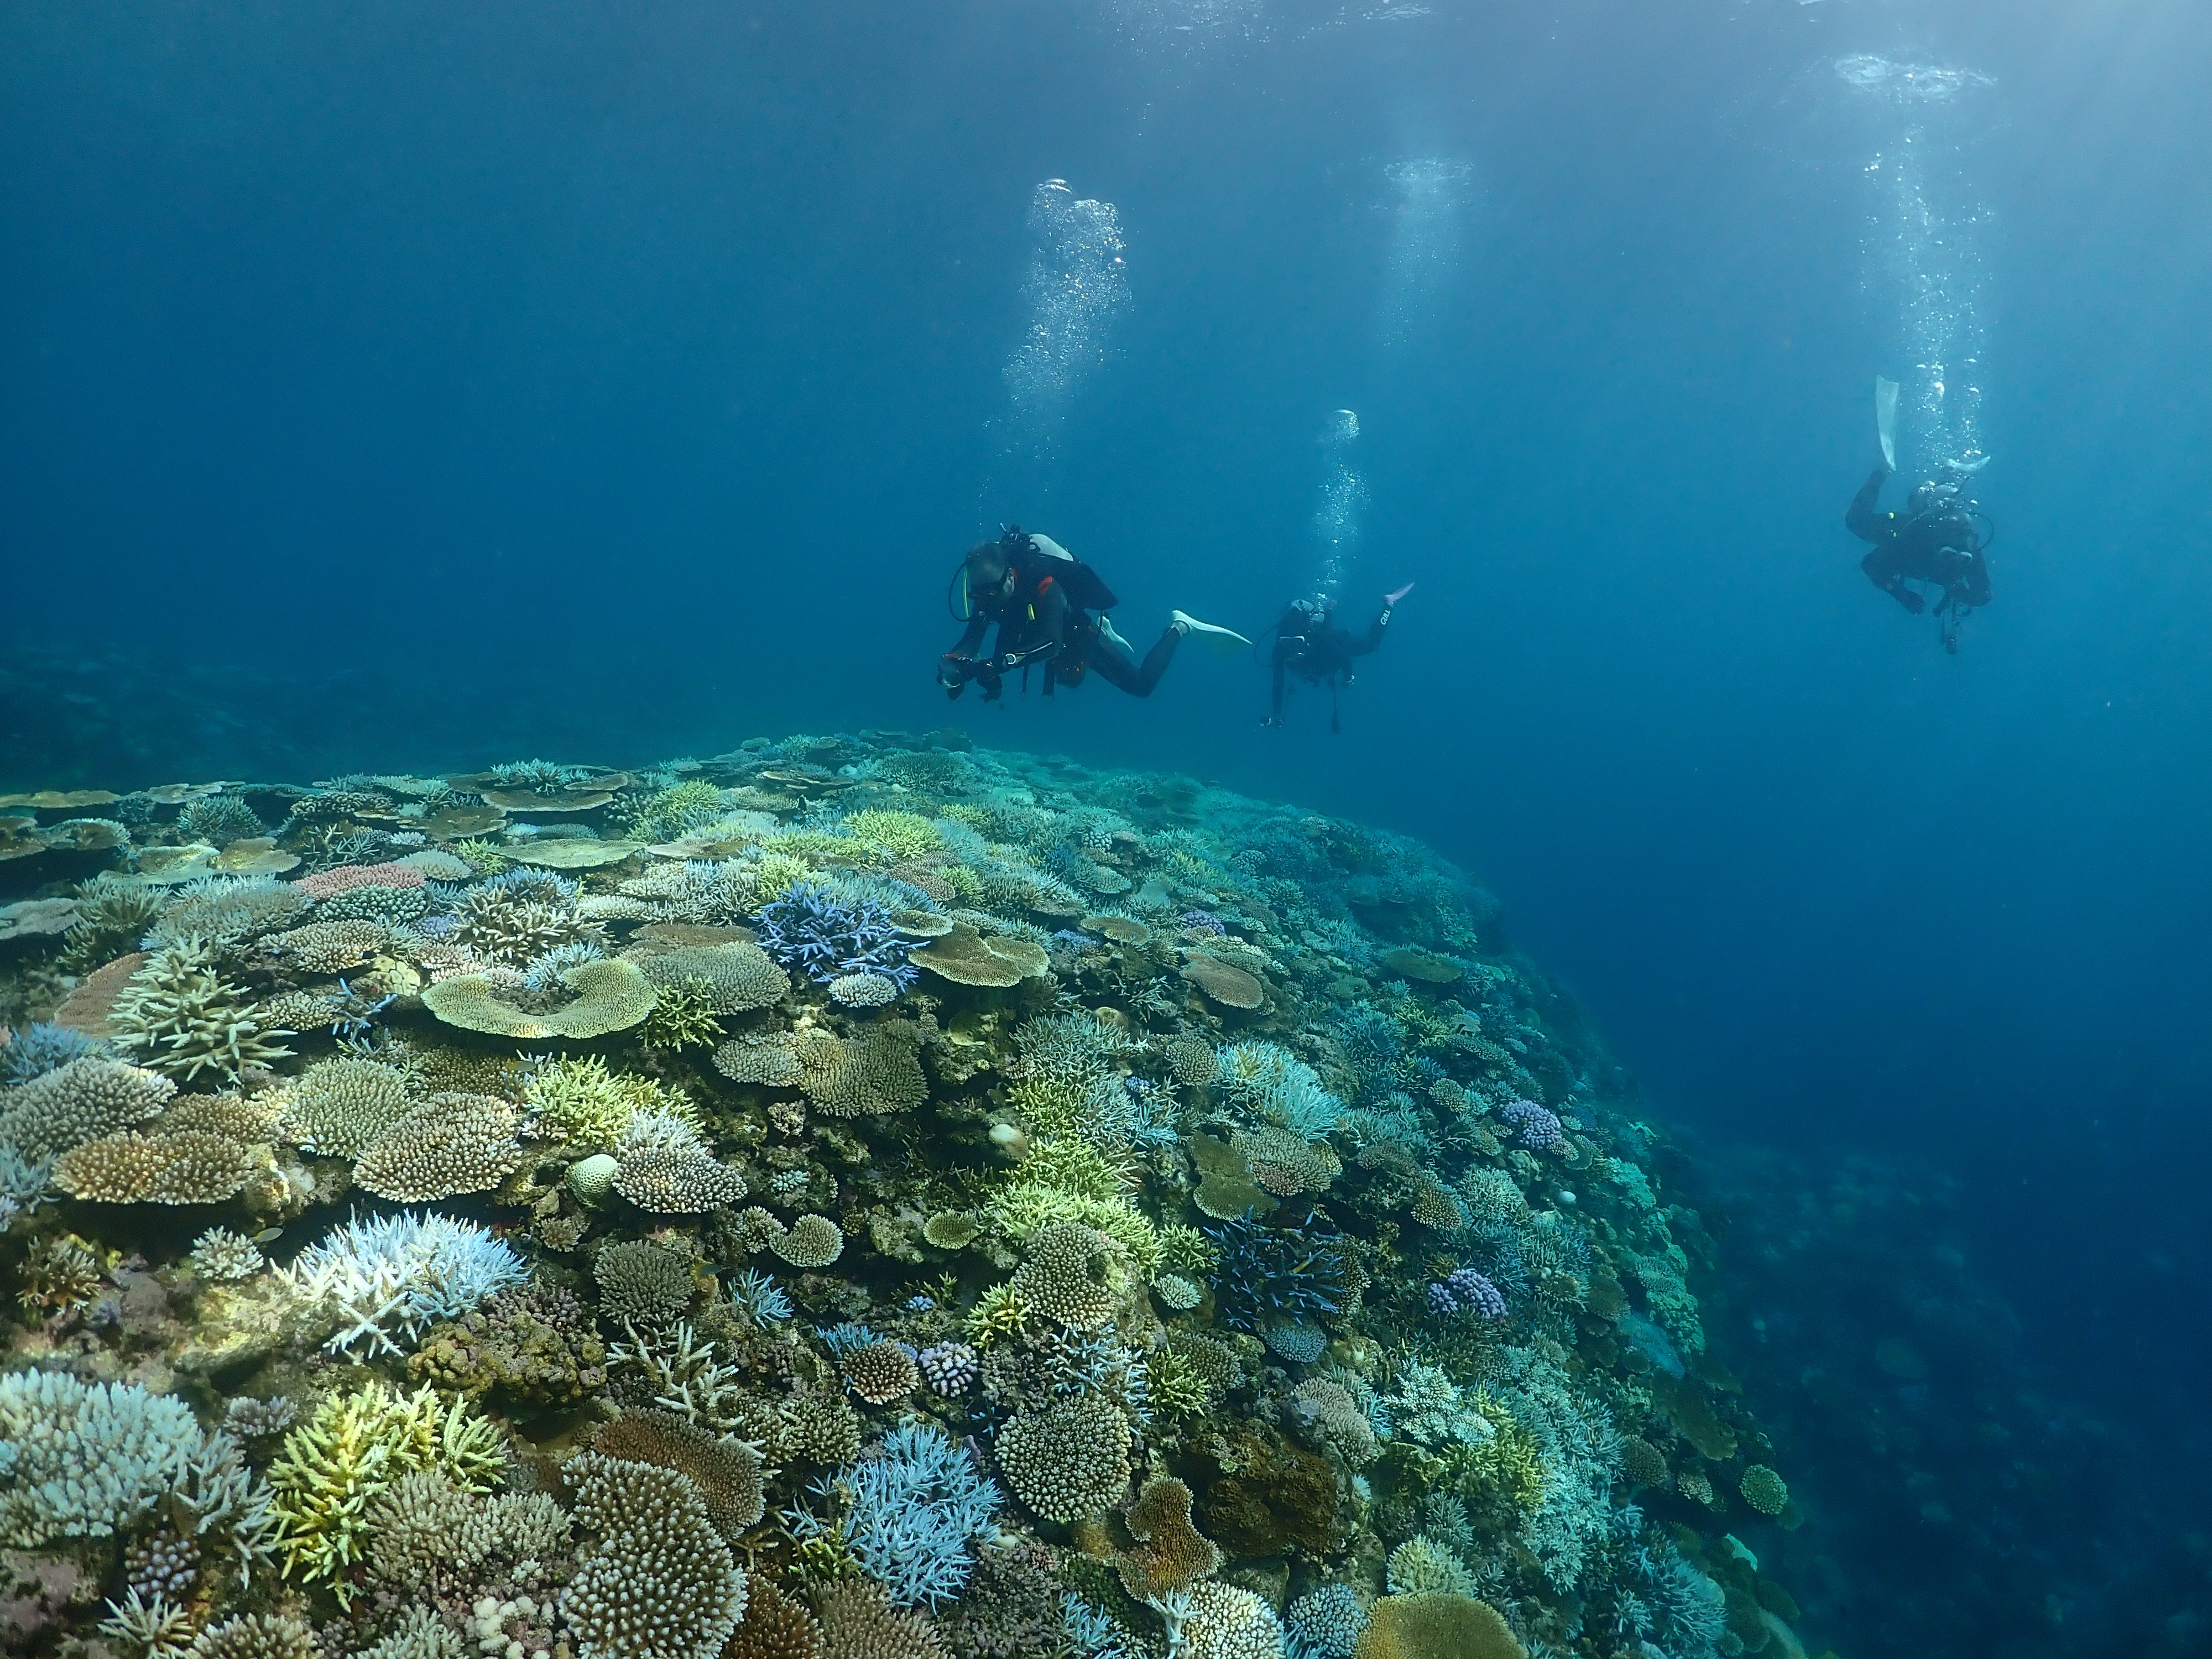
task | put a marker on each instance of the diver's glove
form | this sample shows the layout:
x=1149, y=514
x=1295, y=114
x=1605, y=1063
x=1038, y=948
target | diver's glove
x=954, y=671
x=1910, y=600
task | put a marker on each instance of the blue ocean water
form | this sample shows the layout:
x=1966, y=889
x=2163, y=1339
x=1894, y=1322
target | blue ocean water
x=434, y=386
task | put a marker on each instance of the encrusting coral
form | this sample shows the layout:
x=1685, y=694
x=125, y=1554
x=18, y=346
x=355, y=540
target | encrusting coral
x=878, y=1199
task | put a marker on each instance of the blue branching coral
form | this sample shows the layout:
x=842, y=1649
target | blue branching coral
x=910, y=1510
x=762, y=1300
x=810, y=928
x=1267, y=1274
x=40, y=1049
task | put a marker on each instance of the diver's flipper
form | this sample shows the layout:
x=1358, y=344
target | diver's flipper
x=1885, y=419
x=1226, y=641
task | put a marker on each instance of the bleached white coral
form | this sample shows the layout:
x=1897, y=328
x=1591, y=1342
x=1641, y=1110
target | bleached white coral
x=78, y=1460
x=401, y=1273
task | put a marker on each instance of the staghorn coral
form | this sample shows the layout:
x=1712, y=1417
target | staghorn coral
x=813, y=930
x=398, y=1273
x=1267, y=1273
x=684, y=1016
x=583, y=1101
x=661, y=1584
x=41, y=1048
x=515, y=921
x=1421, y=1566
x=339, y=1462
x=909, y=1513
x=185, y=1019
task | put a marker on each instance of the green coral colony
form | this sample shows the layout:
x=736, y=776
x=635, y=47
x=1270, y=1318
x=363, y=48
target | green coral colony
x=856, y=1197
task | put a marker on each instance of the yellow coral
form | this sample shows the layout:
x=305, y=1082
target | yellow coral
x=590, y=1104
x=999, y=1312
x=333, y=1466
x=897, y=834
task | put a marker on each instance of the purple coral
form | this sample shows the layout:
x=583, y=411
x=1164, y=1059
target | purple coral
x=1204, y=921
x=950, y=1368
x=810, y=928
x=1466, y=1291
x=1540, y=1129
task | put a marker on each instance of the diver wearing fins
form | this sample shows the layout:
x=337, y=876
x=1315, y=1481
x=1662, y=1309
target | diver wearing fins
x=1934, y=541
x=1050, y=609
x=1309, y=644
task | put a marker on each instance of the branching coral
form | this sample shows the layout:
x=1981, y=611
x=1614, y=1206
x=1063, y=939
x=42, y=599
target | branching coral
x=81, y=1460
x=225, y=910
x=185, y=1019
x=1068, y=1461
x=345, y=1456
x=449, y=1145
x=80, y=1101
x=909, y=1513
x=1267, y=1273
x=874, y=1070
x=730, y=979
x=810, y=929
x=340, y=1107
x=400, y=1273
x=583, y=1101
x=663, y=1165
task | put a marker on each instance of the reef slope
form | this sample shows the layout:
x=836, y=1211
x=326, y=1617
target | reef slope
x=855, y=1197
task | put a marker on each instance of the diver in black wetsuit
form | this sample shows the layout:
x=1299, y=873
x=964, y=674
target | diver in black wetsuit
x=1309, y=644
x=1049, y=608
x=1936, y=542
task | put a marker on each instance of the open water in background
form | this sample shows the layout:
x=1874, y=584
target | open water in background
x=417, y=384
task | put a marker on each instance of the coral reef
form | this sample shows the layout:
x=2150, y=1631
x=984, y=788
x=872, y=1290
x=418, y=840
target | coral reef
x=855, y=1197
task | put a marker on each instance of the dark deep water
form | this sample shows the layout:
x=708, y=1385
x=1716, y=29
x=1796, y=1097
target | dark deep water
x=435, y=385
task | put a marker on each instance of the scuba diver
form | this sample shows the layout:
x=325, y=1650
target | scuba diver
x=1935, y=541
x=1050, y=609
x=1309, y=644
